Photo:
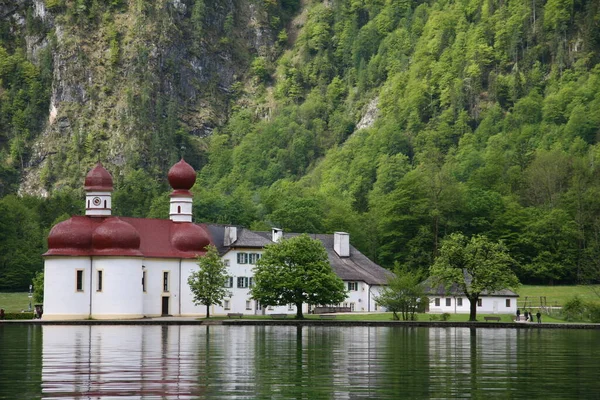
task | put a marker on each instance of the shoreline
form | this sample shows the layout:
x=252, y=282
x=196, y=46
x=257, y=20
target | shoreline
x=305, y=322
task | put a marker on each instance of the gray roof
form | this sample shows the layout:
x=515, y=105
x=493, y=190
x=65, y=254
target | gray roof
x=357, y=267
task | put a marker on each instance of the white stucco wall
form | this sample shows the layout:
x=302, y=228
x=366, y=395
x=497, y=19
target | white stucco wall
x=489, y=305
x=121, y=294
x=153, y=297
x=61, y=298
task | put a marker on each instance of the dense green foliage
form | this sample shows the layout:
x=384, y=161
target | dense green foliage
x=208, y=282
x=486, y=123
x=476, y=265
x=296, y=271
x=403, y=294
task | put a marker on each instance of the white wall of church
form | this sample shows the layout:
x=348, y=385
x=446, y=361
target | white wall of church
x=117, y=288
x=155, y=284
x=62, y=299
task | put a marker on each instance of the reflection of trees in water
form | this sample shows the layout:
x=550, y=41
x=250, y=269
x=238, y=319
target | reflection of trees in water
x=295, y=362
x=20, y=361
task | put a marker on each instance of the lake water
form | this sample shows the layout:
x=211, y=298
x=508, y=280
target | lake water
x=280, y=362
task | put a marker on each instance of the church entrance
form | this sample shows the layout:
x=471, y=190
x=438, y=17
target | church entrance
x=165, y=305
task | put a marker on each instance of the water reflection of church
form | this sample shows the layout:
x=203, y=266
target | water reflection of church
x=106, y=267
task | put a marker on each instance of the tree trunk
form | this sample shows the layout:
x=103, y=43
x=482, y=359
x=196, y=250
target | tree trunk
x=207, y=311
x=299, y=314
x=473, y=309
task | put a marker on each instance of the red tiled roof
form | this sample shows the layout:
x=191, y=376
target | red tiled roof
x=159, y=238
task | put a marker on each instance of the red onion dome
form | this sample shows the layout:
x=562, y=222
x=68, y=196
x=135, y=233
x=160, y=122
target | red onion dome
x=99, y=179
x=182, y=176
x=71, y=237
x=188, y=237
x=116, y=237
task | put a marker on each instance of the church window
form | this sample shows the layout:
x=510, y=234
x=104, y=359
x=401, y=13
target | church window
x=99, y=283
x=105, y=204
x=165, y=281
x=178, y=209
x=79, y=280
x=144, y=281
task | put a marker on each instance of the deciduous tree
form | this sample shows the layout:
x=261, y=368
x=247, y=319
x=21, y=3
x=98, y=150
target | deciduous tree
x=296, y=271
x=208, y=282
x=403, y=293
x=477, y=265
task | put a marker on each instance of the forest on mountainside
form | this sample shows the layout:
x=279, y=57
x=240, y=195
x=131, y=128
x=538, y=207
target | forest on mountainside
x=398, y=121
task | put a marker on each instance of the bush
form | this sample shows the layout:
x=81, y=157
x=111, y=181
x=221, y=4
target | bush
x=444, y=317
x=573, y=309
x=21, y=315
x=594, y=312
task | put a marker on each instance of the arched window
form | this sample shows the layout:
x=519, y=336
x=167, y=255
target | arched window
x=178, y=209
x=105, y=204
x=88, y=204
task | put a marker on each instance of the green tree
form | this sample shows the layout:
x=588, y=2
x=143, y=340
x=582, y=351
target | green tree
x=208, y=282
x=38, y=287
x=477, y=265
x=296, y=271
x=403, y=293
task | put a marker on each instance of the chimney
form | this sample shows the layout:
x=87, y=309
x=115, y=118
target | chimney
x=277, y=234
x=341, y=244
x=230, y=235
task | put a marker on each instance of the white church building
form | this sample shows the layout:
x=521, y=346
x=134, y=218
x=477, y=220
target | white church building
x=105, y=267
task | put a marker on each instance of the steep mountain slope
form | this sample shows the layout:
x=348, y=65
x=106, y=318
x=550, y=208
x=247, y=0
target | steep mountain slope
x=398, y=121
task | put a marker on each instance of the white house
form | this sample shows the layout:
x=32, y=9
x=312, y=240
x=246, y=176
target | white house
x=105, y=267
x=453, y=301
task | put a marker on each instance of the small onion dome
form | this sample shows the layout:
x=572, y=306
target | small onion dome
x=71, y=237
x=116, y=237
x=188, y=237
x=98, y=179
x=181, y=178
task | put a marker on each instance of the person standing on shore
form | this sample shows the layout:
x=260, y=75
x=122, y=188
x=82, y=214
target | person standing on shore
x=539, y=317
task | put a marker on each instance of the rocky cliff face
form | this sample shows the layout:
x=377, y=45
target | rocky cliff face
x=135, y=83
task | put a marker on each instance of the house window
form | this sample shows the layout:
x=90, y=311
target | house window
x=242, y=258
x=507, y=302
x=253, y=258
x=250, y=281
x=270, y=308
x=165, y=281
x=242, y=282
x=448, y=301
x=290, y=307
x=144, y=281
x=376, y=306
x=99, y=283
x=459, y=302
x=226, y=263
x=229, y=282
x=479, y=302
x=351, y=306
x=437, y=301
x=79, y=280
x=353, y=286
x=226, y=305
x=248, y=305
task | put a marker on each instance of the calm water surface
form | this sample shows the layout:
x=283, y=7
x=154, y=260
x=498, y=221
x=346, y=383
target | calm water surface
x=220, y=362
